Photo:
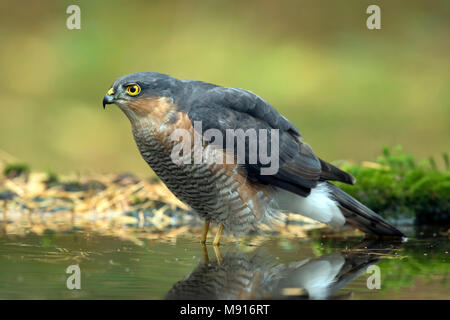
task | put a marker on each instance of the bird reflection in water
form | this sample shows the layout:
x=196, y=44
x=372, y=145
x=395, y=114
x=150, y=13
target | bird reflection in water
x=237, y=275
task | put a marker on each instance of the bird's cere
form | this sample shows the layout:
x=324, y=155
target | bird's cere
x=108, y=98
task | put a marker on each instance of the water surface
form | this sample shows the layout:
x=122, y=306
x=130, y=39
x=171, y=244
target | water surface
x=320, y=266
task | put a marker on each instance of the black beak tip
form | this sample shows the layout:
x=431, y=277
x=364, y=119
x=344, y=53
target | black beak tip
x=107, y=100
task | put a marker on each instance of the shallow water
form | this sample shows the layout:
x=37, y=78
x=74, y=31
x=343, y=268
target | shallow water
x=34, y=267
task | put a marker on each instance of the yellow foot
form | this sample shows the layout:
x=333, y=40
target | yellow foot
x=205, y=231
x=218, y=235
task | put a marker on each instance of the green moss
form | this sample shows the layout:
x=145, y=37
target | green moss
x=402, y=187
x=52, y=178
x=16, y=169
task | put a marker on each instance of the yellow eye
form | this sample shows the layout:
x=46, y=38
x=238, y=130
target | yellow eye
x=133, y=89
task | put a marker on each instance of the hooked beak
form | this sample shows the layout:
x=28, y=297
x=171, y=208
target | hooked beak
x=109, y=98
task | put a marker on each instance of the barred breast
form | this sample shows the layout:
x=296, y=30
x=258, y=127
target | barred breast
x=219, y=193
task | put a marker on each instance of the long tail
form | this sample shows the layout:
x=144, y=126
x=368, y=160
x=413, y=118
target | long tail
x=361, y=217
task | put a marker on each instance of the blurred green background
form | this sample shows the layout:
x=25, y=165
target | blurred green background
x=348, y=89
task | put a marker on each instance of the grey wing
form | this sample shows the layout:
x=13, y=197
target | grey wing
x=247, y=102
x=228, y=108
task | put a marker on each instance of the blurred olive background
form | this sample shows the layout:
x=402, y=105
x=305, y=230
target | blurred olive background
x=349, y=90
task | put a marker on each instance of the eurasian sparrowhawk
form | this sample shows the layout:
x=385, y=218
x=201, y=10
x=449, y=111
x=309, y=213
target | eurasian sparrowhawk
x=237, y=196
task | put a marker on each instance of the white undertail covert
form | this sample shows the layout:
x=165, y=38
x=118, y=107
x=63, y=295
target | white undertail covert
x=318, y=205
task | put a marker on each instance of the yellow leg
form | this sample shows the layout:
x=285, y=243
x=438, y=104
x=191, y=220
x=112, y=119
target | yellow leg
x=205, y=231
x=218, y=235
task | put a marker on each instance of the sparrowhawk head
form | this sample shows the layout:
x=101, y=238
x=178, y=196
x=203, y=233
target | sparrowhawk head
x=136, y=86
